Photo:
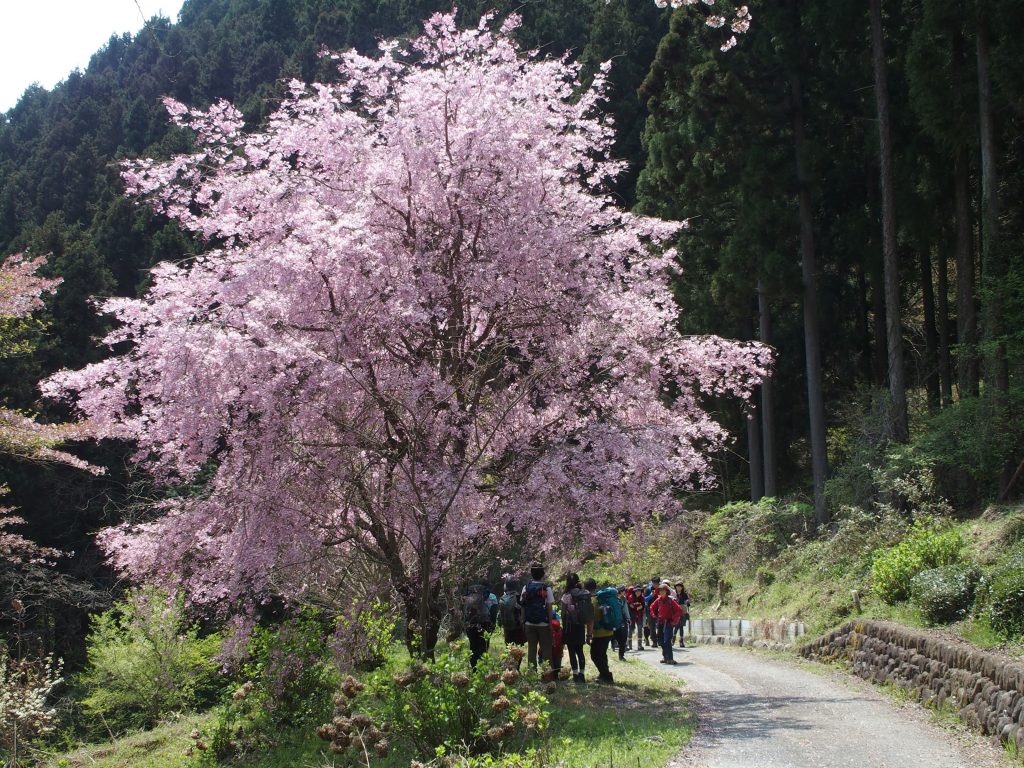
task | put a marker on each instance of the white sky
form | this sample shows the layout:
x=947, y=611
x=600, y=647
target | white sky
x=42, y=41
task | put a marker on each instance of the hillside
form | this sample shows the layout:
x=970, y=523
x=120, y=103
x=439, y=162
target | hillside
x=772, y=566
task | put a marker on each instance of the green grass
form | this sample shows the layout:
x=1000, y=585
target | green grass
x=640, y=722
x=161, y=747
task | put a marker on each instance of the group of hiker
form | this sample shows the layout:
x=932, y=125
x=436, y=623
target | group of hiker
x=549, y=621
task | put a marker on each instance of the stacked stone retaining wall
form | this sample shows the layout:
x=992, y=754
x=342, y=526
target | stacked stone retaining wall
x=986, y=690
x=738, y=642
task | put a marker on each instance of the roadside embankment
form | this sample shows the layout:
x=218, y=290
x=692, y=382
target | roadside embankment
x=985, y=689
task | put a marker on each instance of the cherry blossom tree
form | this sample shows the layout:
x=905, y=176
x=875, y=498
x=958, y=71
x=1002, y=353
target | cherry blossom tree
x=21, y=290
x=422, y=330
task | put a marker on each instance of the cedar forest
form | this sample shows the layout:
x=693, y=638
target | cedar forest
x=852, y=181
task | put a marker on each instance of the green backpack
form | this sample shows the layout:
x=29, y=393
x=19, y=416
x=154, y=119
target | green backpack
x=611, y=610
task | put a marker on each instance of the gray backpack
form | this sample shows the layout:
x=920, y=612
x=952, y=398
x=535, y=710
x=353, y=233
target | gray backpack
x=580, y=610
x=476, y=612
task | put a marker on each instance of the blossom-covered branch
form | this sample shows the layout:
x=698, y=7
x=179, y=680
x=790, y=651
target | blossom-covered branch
x=20, y=286
x=738, y=24
x=21, y=289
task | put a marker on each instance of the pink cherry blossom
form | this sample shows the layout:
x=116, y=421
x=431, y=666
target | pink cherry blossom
x=21, y=287
x=21, y=436
x=422, y=331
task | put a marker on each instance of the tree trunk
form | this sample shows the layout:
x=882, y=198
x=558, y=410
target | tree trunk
x=876, y=282
x=890, y=260
x=993, y=259
x=768, y=438
x=931, y=336
x=812, y=333
x=421, y=595
x=754, y=446
x=942, y=326
x=967, y=370
x=420, y=638
x=993, y=264
x=878, y=359
x=864, y=322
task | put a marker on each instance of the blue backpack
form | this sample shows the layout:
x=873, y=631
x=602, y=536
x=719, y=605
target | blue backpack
x=611, y=609
x=535, y=603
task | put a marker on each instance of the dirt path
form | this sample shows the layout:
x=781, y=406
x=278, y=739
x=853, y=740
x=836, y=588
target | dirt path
x=756, y=711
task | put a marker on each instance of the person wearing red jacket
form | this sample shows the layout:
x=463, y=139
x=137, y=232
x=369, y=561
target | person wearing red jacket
x=635, y=603
x=667, y=613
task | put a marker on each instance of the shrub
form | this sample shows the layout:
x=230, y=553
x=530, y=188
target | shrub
x=925, y=546
x=971, y=443
x=286, y=665
x=443, y=707
x=1004, y=599
x=963, y=448
x=25, y=711
x=747, y=534
x=945, y=594
x=363, y=636
x=287, y=681
x=145, y=661
x=643, y=550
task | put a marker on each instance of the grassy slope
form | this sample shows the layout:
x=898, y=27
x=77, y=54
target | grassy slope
x=812, y=581
x=160, y=748
x=641, y=721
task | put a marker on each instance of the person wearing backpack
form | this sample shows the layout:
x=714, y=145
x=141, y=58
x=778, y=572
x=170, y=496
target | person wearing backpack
x=635, y=604
x=622, y=631
x=667, y=612
x=478, y=614
x=537, y=601
x=683, y=598
x=557, y=640
x=650, y=623
x=510, y=612
x=606, y=619
x=577, y=623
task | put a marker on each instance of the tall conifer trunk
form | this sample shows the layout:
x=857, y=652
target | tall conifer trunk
x=754, y=439
x=768, y=438
x=879, y=362
x=966, y=310
x=993, y=263
x=864, y=322
x=933, y=384
x=890, y=260
x=942, y=326
x=993, y=259
x=755, y=447
x=812, y=330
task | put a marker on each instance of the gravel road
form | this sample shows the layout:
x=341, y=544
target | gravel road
x=757, y=711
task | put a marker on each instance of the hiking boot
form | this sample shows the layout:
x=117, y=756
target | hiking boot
x=578, y=677
x=606, y=678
